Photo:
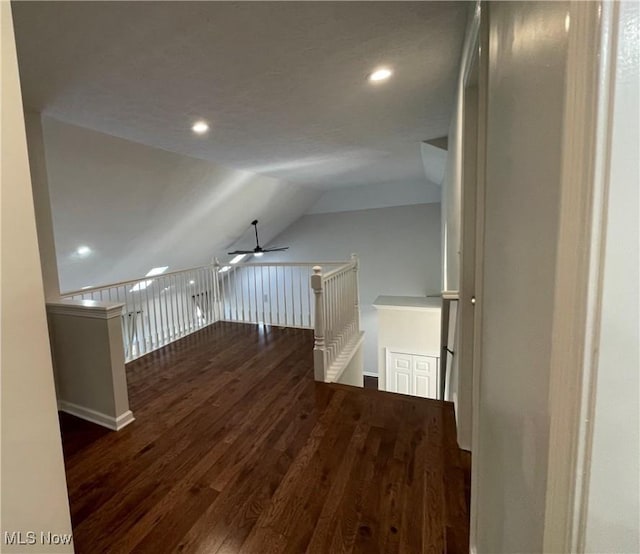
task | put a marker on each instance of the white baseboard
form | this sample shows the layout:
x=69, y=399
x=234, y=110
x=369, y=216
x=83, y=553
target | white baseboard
x=110, y=422
x=370, y=374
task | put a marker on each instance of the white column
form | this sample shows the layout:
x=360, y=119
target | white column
x=319, y=345
x=88, y=352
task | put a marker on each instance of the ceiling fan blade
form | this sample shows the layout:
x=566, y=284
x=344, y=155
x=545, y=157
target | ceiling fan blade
x=276, y=249
x=235, y=252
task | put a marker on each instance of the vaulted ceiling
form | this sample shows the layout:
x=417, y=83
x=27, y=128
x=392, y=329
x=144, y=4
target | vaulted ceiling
x=283, y=84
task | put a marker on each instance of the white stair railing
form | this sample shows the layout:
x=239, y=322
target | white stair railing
x=337, y=319
x=160, y=309
x=268, y=293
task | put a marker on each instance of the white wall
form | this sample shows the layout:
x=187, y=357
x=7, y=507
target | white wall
x=527, y=54
x=410, y=331
x=34, y=494
x=459, y=383
x=366, y=197
x=399, y=250
x=139, y=207
x=613, y=520
x=452, y=183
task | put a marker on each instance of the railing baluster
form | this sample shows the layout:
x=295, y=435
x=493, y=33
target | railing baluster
x=277, y=296
x=214, y=296
x=237, y=283
x=224, y=296
x=136, y=318
x=171, y=332
x=246, y=291
x=186, y=295
x=183, y=304
x=262, y=295
x=176, y=311
x=255, y=292
x=195, y=301
x=300, y=291
x=190, y=291
x=165, y=327
x=284, y=289
x=270, y=303
x=174, y=307
x=210, y=295
x=309, y=296
x=148, y=310
x=232, y=315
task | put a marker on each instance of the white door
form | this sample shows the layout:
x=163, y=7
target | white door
x=399, y=373
x=412, y=374
x=425, y=376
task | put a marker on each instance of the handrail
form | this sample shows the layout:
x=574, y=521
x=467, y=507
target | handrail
x=148, y=277
x=159, y=309
x=286, y=264
x=131, y=281
x=345, y=267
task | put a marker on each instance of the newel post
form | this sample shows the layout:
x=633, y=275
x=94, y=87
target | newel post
x=319, y=346
x=356, y=269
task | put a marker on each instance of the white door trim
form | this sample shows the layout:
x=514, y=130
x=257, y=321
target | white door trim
x=480, y=29
x=580, y=256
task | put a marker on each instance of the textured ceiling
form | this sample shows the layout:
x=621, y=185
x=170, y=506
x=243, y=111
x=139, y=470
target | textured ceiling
x=283, y=85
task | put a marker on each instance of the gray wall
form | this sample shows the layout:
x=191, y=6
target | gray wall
x=367, y=197
x=524, y=136
x=399, y=250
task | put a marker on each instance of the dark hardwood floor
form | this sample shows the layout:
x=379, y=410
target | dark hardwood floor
x=235, y=448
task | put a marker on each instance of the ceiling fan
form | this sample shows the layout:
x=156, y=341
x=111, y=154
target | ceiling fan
x=258, y=250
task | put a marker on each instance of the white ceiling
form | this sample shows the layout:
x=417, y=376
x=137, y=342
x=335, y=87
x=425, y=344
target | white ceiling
x=282, y=84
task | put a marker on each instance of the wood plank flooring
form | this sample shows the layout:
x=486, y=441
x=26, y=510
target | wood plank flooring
x=235, y=448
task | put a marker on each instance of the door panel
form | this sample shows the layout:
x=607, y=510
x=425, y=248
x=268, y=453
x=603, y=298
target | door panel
x=425, y=375
x=402, y=382
x=399, y=373
x=422, y=385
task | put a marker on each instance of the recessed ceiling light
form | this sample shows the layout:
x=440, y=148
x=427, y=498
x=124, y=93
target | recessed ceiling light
x=381, y=74
x=224, y=269
x=83, y=251
x=200, y=127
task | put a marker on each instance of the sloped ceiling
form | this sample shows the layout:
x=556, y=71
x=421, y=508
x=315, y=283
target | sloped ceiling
x=138, y=207
x=283, y=84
